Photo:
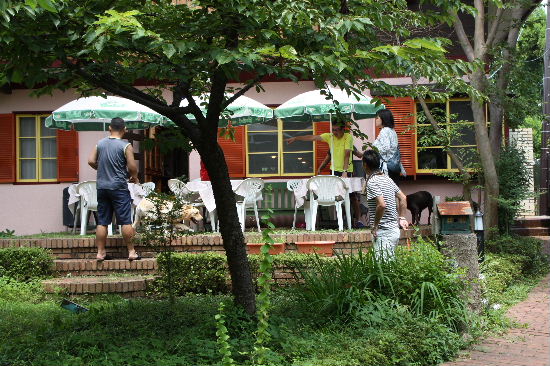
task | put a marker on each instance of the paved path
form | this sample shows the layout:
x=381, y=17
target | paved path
x=525, y=346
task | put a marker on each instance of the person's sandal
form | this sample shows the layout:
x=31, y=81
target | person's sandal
x=135, y=259
x=106, y=258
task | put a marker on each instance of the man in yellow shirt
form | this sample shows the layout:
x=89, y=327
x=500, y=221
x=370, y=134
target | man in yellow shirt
x=341, y=145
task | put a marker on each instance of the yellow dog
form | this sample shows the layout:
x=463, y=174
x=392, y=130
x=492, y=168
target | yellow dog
x=146, y=210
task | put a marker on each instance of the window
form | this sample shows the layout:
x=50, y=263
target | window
x=456, y=118
x=268, y=154
x=36, y=150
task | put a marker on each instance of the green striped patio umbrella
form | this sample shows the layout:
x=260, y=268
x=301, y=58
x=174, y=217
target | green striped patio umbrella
x=95, y=114
x=242, y=111
x=313, y=106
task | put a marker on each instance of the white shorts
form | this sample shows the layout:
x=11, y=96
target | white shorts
x=386, y=241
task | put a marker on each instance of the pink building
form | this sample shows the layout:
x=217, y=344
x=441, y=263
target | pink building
x=36, y=163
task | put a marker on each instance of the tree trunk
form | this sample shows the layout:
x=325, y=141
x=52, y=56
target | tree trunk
x=491, y=186
x=230, y=228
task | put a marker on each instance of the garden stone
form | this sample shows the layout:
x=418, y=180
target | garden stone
x=462, y=248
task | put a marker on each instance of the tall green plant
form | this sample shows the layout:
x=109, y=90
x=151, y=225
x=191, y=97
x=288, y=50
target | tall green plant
x=260, y=351
x=159, y=230
x=420, y=278
x=513, y=177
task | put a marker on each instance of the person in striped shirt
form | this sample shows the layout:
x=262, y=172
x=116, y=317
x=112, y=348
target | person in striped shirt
x=387, y=205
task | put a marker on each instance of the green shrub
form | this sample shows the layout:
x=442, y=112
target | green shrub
x=24, y=264
x=500, y=271
x=207, y=272
x=513, y=179
x=535, y=263
x=192, y=273
x=420, y=278
x=16, y=291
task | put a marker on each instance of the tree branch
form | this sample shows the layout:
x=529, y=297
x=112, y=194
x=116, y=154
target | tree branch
x=493, y=27
x=480, y=47
x=241, y=92
x=462, y=37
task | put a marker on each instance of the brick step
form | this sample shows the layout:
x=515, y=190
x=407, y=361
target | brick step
x=531, y=231
x=532, y=221
x=127, y=286
x=91, y=267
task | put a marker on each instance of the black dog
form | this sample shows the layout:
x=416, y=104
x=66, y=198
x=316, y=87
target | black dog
x=417, y=202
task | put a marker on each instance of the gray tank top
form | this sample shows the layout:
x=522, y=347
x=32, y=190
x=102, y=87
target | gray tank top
x=111, y=164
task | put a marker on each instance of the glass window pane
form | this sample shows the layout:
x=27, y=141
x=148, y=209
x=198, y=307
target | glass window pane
x=464, y=134
x=49, y=168
x=27, y=127
x=44, y=131
x=268, y=126
x=298, y=163
x=28, y=169
x=27, y=148
x=297, y=145
x=461, y=111
x=290, y=125
x=438, y=111
x=262, y=142
x=49, y=147
x=263, y=164
x=432, y=159
x=468, y=156
x=426, y=136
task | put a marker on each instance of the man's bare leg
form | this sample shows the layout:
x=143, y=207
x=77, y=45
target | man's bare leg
x=101, y=240
x=128, y=233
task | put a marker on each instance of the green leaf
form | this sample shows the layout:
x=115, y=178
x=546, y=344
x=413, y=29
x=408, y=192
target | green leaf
x=47, y=4
x=288, y=52
x=169, y=50
x=224, y=57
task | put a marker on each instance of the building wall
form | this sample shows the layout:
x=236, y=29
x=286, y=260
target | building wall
x=523, y=138
x=35, y=208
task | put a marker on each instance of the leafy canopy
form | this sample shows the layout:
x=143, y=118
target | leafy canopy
x=65, y=43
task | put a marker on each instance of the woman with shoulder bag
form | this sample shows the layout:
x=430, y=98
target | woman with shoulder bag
x=388, y=145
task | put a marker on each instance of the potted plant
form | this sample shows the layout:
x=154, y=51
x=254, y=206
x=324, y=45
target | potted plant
x=319, y=247
x=254, y=248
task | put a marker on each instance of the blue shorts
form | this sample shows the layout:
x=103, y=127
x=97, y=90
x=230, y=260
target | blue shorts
x=118, y=201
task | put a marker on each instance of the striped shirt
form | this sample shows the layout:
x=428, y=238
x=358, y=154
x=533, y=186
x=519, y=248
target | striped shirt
x=381, y=185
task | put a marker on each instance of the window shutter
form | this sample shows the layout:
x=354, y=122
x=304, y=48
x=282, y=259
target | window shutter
x=67, y=156
x=321, y=148
x=403, y=114
x=7, y=148
x=234, y=152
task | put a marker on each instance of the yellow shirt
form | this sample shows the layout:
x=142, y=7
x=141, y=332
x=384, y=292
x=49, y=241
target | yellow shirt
x=339, y=150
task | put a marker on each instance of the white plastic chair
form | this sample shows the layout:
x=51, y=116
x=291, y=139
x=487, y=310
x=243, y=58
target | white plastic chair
x=250, y=189
x=88, y=202
x=326, y=190
x=148, y=188
x=294, y=185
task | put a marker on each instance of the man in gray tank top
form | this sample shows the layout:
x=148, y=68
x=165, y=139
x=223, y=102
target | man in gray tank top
x=113, y=158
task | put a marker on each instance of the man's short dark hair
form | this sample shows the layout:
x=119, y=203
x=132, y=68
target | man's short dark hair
x=117, y=124
x=371, y=158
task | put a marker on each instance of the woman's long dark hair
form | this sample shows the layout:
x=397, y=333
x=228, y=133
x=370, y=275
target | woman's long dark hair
x=387, y=118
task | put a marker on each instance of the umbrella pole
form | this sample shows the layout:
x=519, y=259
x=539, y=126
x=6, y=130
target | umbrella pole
x=331, y=144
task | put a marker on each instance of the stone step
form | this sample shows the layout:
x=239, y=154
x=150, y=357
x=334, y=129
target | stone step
x=532, y=221
x=91, y=267
x=127, y=286
x=531, y=231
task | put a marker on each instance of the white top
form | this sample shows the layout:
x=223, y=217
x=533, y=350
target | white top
x=386, y=143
